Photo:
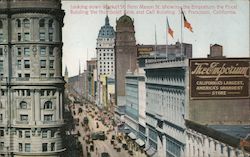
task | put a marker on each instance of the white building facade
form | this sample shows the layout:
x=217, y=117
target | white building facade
x=105, y=57
x=166, y=101
x=32, y=86
x=105, y=49
x=135, y=118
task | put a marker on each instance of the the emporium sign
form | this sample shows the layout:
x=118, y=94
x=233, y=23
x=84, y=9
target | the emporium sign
x=219, y=78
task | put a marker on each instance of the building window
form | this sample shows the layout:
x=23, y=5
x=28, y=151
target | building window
x=1, y=37
x=1, y=145
x=18, y=23
x=48, y=117
x=1, y=133
x=1, y=118
x=53, y=146
x=42, y=23
x=50, y=23
x=50, y=36
x=48, y=105
x=20, y=146
x=19, y=51
x=19, y=64
x=42, y=36
x=27, y=147
x=26, y=64
x=27, y=75
x=51, y=51
x=26, y=51
x=27, y=134
x=1, y=66
x=43, y=75
x=19, y=38
x=221, y=149
x=43, y=64
x=24, y=118
x=51, y=75
x=20, y=134
x=52, y=134
x=26, y=23
x=1, y=51
x=45, y=147
x=23, y=105
x=42, y=51
x=26, y=36
x=51, y=64
x=44, y=133
x=1, y=24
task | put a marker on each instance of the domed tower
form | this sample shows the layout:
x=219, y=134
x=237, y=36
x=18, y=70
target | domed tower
x=125, y=54
x=105, y=56
x=105, y=49
x=31, y=82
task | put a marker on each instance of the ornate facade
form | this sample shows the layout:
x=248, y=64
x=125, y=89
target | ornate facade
x=125, y=55
x=32, y=86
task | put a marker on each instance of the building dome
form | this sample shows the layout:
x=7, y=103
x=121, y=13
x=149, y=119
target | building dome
x=106, y=31
x=125, y=21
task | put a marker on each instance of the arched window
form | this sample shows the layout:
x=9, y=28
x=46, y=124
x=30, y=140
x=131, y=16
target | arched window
x=42, y=23
x=1, y=24
x=48, y=105
x=26, y=23
x=51, y=23
x=18, y=23
x=23, y=105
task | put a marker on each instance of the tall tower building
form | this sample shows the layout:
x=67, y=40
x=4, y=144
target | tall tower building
x=32, y=86
x=105, y=58
x=105, y=49
x=125, y=55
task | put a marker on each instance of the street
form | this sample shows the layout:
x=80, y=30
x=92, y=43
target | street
x=94, y=148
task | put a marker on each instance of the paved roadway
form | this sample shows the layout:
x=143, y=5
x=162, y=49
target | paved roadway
x=99, y=146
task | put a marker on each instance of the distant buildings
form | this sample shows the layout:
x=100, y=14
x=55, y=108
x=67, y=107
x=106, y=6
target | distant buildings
x=174, y=50
x=91, y=77
x=31, y=83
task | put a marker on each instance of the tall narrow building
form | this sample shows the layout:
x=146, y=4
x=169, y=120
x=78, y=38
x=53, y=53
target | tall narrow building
x=105, y=58
x=125, y=55
x=105, y=49
x=32, y=86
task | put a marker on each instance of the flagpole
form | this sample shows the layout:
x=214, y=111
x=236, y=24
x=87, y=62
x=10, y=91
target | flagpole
x=181, y=30
x=167, y=38
x=155, y=42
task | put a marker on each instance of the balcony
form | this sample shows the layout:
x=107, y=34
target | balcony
x=37, y=80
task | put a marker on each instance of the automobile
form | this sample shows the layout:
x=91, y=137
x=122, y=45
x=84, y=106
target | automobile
x=98, y=136
x=125, y=146
x=85, y=120
x=113, y=137
x=105, y=154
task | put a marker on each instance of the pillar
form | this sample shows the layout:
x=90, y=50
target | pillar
x=37, y=106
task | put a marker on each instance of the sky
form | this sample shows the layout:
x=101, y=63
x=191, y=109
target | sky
x=222, y=22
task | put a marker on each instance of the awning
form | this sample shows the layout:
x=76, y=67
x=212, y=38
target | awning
x=124, y=129
x=132, y=136
x=140, y=142
x=151, y=151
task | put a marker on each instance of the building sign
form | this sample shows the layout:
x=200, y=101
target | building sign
x=219, y=78
x=144, y=50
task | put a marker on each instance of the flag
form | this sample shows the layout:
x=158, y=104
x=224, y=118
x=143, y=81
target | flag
x=186, y=23
x=170, y=31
